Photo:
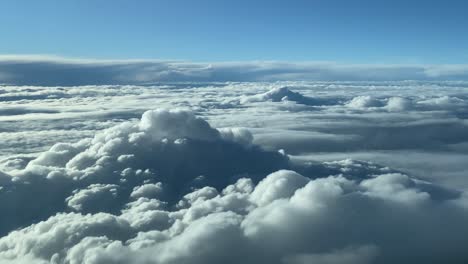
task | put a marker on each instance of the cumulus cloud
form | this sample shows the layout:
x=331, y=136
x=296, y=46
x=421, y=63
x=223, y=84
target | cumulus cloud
x=148, y=190
x=364, y=101
x=285, y=94
x=211, y=185
x=398, y=104
x=132, y=159
x=286, y=218
x=96, y=197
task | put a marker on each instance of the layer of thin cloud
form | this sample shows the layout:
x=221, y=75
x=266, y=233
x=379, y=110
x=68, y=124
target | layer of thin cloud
x=50, y=70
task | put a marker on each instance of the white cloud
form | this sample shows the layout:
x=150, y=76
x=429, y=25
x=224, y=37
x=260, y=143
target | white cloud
x=176, y=124
x=148, y=190
x=327, y=220
x=398, y=104
x=94, y=198
x=281, y=184
x=364, y=101
x=192, y=186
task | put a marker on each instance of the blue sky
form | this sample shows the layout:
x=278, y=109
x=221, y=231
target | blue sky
x=433, y=32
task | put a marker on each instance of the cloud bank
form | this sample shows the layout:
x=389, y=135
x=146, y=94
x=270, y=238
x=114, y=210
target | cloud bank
x=244, y=172
x=170, y=188
x=51, y=71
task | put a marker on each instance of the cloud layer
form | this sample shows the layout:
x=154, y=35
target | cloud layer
x=263, y=172
x=49, y=70
x=131, y=215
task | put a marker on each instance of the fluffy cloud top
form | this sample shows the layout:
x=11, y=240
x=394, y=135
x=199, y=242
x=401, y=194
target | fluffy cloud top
x=131, y=159
x=297, y=220
x=285, y=94
x=177, y=186
x=170, y=188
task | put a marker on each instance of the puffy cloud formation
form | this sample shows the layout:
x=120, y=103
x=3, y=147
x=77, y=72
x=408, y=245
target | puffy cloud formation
x=177, y=125
x=398, y=104
x=50, y=70
x=255, y=173
x=164, y=155
x=391, y=104
x=95, y=197
x=148, y=190
x=285, y=218
x=363, y=102
x=285, y=94
x=423, y=119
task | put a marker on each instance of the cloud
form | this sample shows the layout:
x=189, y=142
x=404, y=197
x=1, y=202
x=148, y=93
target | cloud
x=131, y=159
x=50, y=239
x=149, y=190
x=285, y=94
x=398, y=104
x=170, y=188
x=261, y=172
x=95, y=198
x=281, y=184
x=51, y=70
x=327, y=220
x=364, y=102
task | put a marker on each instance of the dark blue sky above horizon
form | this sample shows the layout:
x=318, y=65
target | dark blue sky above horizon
x=364, y=31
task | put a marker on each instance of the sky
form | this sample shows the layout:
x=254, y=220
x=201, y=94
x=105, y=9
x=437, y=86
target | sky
x=362, y=31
